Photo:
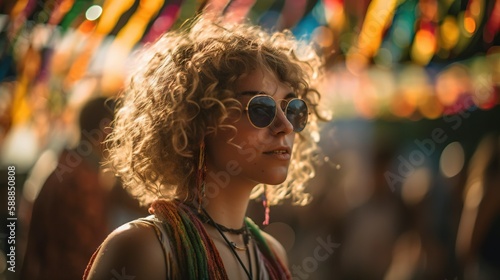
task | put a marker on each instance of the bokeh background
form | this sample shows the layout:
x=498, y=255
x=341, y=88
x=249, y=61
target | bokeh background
x=408, y=181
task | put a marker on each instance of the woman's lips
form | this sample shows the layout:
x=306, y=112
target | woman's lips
x=281, y=154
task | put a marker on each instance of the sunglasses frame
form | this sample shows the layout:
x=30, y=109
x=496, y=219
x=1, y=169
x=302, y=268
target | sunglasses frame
x=287, y=102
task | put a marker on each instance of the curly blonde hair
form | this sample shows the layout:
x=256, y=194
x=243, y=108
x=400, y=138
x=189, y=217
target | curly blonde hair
x=183, y=90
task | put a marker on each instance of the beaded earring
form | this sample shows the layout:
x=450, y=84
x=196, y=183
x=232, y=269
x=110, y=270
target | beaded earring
x=265, y=203
x=200, y=175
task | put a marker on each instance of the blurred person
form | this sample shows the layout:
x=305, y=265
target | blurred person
x=69, y=216
x=478, y=238
x=215, y=115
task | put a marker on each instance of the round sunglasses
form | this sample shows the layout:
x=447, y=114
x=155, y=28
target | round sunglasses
x=262, y=110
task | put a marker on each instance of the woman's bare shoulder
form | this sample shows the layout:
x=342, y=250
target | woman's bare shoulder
x=131, y=251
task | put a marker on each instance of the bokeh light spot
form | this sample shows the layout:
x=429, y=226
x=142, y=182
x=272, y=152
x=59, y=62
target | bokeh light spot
x=323, y=36
x=449, y=33
x=93, y=13
x=469, y=25
x=452, y=160
x=416, y=186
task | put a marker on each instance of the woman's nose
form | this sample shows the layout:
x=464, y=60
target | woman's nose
x=281, y=124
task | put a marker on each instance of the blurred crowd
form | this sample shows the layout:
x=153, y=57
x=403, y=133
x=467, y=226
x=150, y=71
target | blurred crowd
x=67, y=203
x=394, y=215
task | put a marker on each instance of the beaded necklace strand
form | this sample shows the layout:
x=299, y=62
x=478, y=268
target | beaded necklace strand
x=233, y=246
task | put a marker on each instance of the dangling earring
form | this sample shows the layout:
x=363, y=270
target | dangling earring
x=265, y=203
x=200, y=175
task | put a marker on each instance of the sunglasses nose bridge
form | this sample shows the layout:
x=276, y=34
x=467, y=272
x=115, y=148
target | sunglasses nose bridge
x=282, y=104
x=280, y=121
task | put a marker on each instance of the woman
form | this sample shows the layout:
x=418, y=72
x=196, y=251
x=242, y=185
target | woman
x=207, y=122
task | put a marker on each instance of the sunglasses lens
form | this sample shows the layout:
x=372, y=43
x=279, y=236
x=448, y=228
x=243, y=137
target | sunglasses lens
x=297, y=114
x=261, y=111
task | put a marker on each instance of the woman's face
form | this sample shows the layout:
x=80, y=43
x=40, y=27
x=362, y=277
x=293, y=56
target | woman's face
x=263, y=154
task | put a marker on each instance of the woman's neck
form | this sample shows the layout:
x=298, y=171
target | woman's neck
x=227, y=205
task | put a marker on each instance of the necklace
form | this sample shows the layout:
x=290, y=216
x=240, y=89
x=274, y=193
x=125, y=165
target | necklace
x=233, y=246
x=208, y=220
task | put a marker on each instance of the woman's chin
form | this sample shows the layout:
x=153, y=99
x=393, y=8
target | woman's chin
x=275, y=180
